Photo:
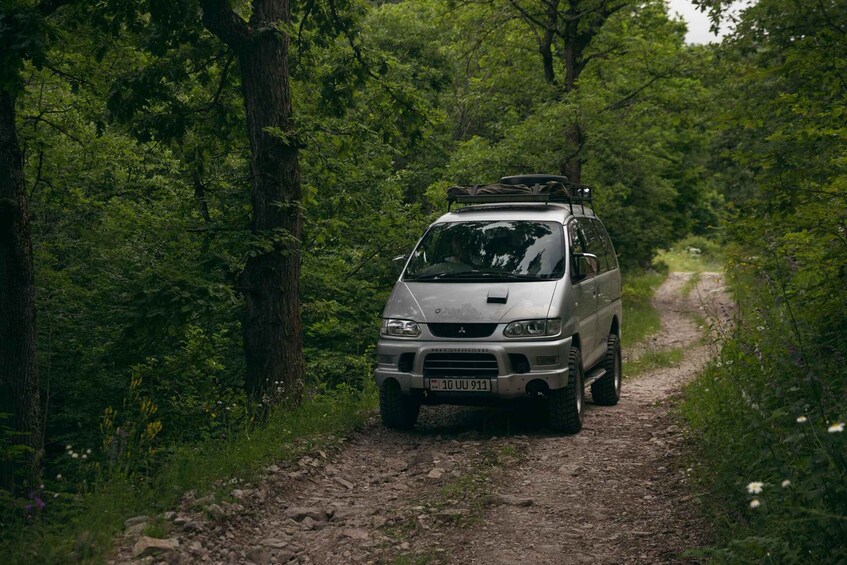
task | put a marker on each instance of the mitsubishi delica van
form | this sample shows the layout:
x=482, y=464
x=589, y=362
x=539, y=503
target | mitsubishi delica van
x=515, y=294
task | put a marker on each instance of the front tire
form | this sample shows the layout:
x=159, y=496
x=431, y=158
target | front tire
x=398, y=412
x=606, y=391
x=564, y=405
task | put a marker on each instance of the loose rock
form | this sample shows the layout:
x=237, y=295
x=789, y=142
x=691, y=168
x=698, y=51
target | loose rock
x=153, y=546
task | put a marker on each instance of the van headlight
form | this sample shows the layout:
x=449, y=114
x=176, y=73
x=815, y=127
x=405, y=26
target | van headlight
x=400, y=328
x=534, y=328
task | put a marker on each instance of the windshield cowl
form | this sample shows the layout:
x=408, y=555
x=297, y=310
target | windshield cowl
x=476, y=276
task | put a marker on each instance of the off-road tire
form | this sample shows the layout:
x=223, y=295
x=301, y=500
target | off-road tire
x=565, y=405
x=606, y=391
x=398, y=411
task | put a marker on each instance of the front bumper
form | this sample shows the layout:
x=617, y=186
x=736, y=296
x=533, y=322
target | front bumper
x=507, y=385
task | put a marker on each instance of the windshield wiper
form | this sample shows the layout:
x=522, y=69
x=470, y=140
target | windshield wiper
x=427, y=277
x=479, y=275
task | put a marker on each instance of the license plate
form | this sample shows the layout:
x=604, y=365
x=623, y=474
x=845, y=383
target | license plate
x=460, y=385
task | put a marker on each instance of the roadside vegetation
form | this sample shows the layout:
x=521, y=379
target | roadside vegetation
x=641, y=318
x=769, y=414
x=128, y=216
x=768, y=418
x=83, y=522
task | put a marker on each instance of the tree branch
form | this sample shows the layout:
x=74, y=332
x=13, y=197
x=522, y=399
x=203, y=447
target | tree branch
x=47, y=7
x=225, y=24
x=626, y=99
x=530, y=18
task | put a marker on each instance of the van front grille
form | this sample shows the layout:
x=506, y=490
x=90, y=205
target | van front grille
x=462, y=331
x=479, y=365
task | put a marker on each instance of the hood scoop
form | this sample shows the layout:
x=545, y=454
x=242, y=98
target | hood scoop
x=498, y=295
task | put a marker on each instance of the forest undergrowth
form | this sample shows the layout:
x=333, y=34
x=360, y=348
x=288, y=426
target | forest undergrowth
x=77, y=521
x=768, y=419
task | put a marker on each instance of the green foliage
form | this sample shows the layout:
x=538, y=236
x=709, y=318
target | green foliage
x=640, y=317
x=761, y=413
x=137, y=166
x=650, y=360
x=645, y=144
x=694, y=254
x=81, y=525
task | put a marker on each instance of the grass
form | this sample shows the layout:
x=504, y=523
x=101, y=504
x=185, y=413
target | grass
x=640, y=317
x=651, y=360
x=760, y=413
x=158, y=528
x=690, y=284
x=82, y=529
x=681, y=258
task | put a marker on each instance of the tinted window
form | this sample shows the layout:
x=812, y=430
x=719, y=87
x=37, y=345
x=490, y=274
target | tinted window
x=577, y=245
x=607, y=245
x=593, y=242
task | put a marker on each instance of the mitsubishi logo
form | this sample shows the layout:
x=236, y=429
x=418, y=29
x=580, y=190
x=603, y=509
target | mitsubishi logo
x=462, y=330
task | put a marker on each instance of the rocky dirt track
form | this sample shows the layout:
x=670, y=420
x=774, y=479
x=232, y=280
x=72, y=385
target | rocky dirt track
x=481, y=485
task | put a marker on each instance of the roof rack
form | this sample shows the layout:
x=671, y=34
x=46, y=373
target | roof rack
x=522, y=188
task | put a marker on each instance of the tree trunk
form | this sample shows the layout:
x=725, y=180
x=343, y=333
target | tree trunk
x=546, y=50
x=19, y=398
x=545, y=46
x=270, y=283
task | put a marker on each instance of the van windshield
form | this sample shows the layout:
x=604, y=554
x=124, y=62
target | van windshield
x=504, y=250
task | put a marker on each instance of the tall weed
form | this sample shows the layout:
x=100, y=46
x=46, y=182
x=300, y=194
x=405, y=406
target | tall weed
x=768, y=415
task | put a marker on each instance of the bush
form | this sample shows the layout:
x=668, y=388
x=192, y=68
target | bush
x=769, y=418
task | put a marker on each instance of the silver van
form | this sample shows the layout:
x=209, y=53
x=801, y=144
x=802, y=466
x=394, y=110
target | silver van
x=515, y=295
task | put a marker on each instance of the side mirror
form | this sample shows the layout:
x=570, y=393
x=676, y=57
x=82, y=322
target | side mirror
x=398, y=263
x=585, y=265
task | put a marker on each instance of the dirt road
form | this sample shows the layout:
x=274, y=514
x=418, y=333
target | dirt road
x=486, y=486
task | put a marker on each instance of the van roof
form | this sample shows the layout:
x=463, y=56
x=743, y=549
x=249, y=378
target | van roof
x=550, y=212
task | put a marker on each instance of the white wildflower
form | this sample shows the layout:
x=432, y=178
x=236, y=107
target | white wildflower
x=75, y=455
x=755, y=503
x=802, y=419
x=760, y=328
x=88, y=451
x=718, y=364
x=836, y=428
x=68, y=447
x=84, y=456
x=755, y=487
x=59, y=477
x=786, y=483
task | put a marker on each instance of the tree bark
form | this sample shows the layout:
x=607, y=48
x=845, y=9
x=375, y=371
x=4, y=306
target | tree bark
x=19, y=396
x=546, y=45
x=270, y=282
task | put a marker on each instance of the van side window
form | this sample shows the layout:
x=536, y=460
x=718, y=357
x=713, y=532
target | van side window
x=575, y=241
x=593, y=242
x=611, y=257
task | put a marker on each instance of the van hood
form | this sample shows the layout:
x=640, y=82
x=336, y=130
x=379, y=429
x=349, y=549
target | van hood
x=434, y=302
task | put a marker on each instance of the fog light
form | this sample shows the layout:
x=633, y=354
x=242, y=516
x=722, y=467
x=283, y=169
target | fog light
x=547, y=360
x=385, y=359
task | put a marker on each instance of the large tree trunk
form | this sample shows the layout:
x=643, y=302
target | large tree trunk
x=273, y=335
x=19, y=398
